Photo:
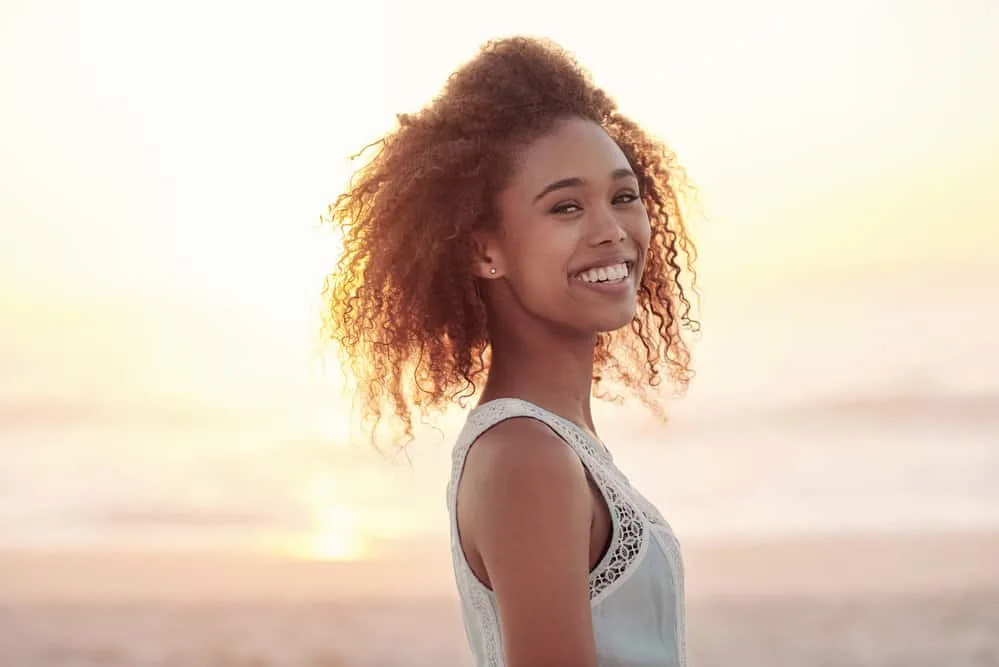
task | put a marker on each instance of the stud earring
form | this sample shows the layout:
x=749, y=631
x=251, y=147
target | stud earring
x=492, y=270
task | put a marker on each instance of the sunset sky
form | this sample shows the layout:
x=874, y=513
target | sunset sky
x=164, y=167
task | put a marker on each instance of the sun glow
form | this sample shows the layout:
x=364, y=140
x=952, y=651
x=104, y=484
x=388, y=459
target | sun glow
x=338, y=529
x=339, y=537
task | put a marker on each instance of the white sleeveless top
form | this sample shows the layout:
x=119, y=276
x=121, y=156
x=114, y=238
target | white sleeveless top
x=636, y=590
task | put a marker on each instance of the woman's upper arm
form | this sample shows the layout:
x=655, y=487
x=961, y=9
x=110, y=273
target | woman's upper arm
x=528, y=514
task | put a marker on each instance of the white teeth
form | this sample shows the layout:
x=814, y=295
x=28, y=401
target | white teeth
x=605, y=273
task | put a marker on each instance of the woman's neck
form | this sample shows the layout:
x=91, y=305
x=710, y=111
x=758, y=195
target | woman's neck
x=556, y=374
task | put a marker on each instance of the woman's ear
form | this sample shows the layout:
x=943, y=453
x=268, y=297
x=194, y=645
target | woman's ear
x=487, y=261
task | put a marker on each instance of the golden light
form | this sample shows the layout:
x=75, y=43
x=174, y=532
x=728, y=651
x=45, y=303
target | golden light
x=167, y=204
x=338, y=529
x=339, y=537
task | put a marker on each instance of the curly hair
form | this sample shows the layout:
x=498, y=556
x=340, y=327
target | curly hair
x=403, y=306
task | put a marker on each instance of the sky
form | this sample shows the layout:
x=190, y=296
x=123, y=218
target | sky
x=164, y=168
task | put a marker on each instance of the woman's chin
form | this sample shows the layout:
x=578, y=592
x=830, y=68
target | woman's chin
x=614, y=321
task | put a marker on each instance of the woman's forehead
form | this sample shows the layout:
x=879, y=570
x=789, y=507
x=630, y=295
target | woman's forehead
x=574, y=148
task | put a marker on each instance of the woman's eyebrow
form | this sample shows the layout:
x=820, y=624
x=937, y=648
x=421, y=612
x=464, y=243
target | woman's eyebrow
x=575, y=181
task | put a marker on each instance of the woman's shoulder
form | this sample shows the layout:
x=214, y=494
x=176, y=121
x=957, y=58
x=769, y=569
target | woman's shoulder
x=520, y=479
x=519, y=443
x=517, y=458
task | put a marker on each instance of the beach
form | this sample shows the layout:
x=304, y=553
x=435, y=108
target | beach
x=863, y=600
x=186, y=478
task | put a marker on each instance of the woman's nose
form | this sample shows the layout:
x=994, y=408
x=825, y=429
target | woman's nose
x=606, y=228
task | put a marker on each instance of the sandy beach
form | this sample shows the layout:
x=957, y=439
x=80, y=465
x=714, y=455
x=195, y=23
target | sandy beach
x=872, y=601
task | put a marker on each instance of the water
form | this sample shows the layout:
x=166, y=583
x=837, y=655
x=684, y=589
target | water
x=872, y=406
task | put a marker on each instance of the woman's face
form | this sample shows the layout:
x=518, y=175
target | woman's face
x=573, y=231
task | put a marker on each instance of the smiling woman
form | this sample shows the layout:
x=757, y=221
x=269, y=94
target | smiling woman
x=519, y=239
x=404, y=305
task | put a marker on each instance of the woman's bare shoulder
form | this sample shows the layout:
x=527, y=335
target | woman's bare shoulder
x=527, y=514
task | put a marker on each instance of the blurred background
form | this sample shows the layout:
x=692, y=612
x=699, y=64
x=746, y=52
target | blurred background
x=180, y=483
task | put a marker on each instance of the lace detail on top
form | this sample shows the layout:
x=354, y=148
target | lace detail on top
x=672, y=551
x=652, y=514
x=628, y=537
x=488, y=624
x=628, y=545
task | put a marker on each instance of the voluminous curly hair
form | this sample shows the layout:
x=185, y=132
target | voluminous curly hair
x=403, y=306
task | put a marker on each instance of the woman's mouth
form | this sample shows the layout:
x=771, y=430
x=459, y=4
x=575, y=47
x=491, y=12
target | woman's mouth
x=613, y=273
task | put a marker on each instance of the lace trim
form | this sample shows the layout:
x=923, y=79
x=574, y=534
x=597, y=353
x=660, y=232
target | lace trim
x=628, y=544
x=485, y=616
x=672, y=549
x=651, y=512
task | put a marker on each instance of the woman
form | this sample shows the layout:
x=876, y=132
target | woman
x=520, y=230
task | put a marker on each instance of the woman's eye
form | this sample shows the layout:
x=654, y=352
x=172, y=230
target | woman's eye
x=571, y=207
x=565, y=208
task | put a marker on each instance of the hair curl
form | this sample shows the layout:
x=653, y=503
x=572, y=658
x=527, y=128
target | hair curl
x=402, y=305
